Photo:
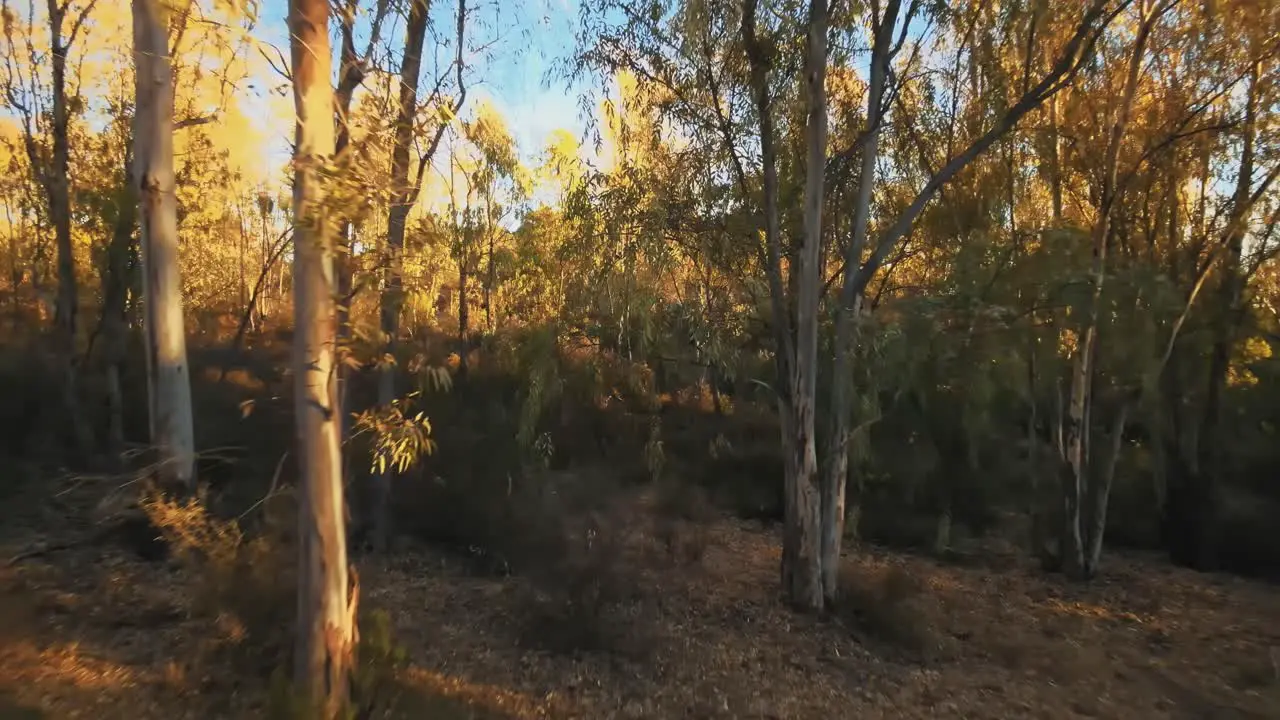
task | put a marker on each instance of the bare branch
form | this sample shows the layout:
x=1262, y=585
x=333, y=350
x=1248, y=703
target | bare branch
x=424, y=158
x=79, y=22
x=1073, y=56
x=279, y=69
x=194, y=121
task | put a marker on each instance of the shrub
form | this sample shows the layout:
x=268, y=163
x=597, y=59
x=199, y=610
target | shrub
x=890, y=605
x=750, y=485
x=681, y=514
x=245, y=584
x=585, y=595
x=379, y=662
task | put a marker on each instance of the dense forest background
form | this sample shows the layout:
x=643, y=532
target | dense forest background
x=960, y=280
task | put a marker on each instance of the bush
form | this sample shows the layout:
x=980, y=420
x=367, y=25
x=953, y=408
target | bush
x=750, y=485
x=245, y=584
x=573, y=534
x=890, y=605
x=681, y=514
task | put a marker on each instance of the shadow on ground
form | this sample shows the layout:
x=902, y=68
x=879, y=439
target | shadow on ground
x=11, y=709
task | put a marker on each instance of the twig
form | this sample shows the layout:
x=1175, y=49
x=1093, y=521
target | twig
x=275, y=483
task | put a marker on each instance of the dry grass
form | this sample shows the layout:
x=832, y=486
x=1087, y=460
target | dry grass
x=97, y=635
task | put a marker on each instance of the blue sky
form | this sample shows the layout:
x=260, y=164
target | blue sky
x=522, y=39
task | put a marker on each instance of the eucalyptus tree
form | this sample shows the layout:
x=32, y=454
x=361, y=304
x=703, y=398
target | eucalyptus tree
x=736, y=75
x=36, y=89
x=404, y=195
x=323, y=655
x=168, y=374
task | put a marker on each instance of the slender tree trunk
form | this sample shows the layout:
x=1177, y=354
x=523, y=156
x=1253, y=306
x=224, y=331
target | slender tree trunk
x=346, y=295
x=114, y=308
x=802, y=541
x=488, y=283
x=15, y=274
x=170, y=402
x=1039, y=530
x=243, y=281
x=464, y=314
x=1055, y=162
x=264, y=307
x=259, y=289
x=1226, y=319
x=403, y=197
x=801, y=545
x=1100, y=492
x=67, y=307
x=351, y=74
x=836, y=474
x=1076, y=477
x=326, y=605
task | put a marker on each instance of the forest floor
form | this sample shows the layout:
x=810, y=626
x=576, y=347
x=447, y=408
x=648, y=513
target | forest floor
x=94, y=632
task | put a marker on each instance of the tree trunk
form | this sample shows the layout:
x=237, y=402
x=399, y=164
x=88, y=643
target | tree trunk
x=1226, y=319
x=1055, y=163
x=170, y=381
x=1076, y=477
x=264, y=306
x=835, y=478
x=243, y=280
x=802, y=544
x=114, y=310
x=1100, y=493
x=464, y=314
x=351, y=74
x=488, y=280
x=326, y=605
x=66, y=310
x=402, y=199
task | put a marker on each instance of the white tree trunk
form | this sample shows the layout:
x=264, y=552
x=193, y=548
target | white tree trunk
x=326, y=607
x=169, y=380
x=804, y=577
x=836, y=473
x=1076, y=483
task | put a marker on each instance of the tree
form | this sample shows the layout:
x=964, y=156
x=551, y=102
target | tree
x=326, y=605
x=403, y=197
x=798, y=335
x=45, y=136
x=168, y=376
x=687, y=58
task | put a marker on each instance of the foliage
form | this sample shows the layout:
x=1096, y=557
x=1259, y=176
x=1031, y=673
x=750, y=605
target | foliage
x=399, y=440
x=588, y=313
x=244, y=582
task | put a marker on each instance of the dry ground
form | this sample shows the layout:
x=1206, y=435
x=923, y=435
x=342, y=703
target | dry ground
x=94, y=633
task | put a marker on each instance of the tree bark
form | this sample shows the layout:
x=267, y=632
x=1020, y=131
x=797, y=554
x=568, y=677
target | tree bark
x=170, y=380
x=796, y=355
x=326, y=605
x=803, y=580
